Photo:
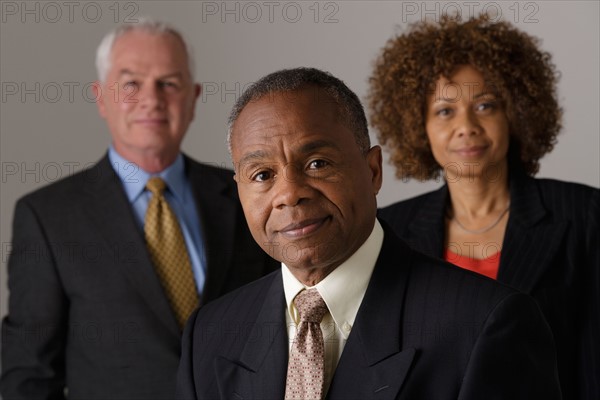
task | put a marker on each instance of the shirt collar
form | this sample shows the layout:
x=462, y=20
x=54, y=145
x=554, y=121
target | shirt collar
x=134, y=178
x=344, y=288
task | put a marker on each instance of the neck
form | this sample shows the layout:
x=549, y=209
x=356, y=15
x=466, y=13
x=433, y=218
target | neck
x=310, y=277
x=480, y=196
x=150, y=161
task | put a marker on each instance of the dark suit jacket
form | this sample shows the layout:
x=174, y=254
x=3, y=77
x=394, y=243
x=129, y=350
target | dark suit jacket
x=86, y=309
x=550, y=250
x=425, y=330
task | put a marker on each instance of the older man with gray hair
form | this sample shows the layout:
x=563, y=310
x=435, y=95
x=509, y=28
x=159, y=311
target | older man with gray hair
x=108, y=264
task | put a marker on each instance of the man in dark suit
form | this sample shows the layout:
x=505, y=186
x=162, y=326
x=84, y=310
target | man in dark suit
x=394, y=323
x=90, y=313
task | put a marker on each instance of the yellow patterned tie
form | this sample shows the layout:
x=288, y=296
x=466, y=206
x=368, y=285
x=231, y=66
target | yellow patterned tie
x=305, y=375
x=167, y=248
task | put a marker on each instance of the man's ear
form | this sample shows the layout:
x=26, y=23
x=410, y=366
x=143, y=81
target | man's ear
x=374, y=161
x=97, y=89
x=197, y=91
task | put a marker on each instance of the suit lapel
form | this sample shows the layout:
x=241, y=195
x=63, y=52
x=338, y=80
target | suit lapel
x=260, y=371
x=111, y=214
x=427, y=228
x=373, y=364
x=523, y=260
x=531, y=239
x=218, y=215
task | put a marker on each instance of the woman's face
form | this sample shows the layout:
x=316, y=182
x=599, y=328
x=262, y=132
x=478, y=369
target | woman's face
x=467, y=126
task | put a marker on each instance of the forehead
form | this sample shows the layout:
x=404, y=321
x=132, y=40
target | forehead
x=144, y=50
x=464, y=83
x=288, y=117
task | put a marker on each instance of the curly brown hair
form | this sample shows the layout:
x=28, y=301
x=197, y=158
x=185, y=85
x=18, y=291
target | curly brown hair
x=411, y=63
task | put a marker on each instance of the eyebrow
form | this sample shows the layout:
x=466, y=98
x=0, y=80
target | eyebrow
x=455, y=99
x=304, y=149
x=253, y=156
x=483, y=94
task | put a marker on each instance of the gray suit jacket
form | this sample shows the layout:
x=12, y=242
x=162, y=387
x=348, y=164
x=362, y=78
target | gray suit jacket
x=86, y=309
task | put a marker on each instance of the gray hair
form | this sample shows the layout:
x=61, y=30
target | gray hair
x=288, y=80
x=146, y=25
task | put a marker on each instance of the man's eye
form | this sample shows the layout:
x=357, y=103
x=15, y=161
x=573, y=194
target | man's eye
x=130, y=85
x=262, y=176
x=168, y=85
x=317, y=164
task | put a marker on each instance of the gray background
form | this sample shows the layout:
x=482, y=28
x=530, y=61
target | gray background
x=49, y=126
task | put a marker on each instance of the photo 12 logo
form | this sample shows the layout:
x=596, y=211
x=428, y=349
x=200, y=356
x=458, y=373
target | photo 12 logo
x=68, y=11
x=253, y=12
x=515, y=11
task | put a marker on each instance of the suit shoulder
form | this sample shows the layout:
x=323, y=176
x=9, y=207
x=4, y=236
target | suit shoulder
x=568, y=200
x=436, y=275
x=211, y=175
x=215, y=169
x=406, y=208
x=550, y=186
x=451, y=272
x=65, y=190
x=239, y=303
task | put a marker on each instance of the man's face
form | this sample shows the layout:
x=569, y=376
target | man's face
x=307, y=189
x=148, y=98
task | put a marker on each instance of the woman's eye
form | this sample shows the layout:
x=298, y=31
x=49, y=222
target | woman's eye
x=443, y=112
x=490, y=105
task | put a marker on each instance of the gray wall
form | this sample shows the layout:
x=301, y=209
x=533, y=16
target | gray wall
x=49, y=125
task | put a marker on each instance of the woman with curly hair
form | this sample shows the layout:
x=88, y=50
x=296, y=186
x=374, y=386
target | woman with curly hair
x=474, y=102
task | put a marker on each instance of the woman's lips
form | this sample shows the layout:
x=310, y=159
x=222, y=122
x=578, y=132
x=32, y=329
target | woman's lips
x=471, y=151
x=299, y=229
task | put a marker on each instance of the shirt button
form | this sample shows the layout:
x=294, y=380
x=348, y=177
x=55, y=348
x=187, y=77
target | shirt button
x=346, y=327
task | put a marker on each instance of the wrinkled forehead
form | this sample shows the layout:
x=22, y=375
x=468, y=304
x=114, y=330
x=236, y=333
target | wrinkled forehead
x=275, y=112
x=151, y=47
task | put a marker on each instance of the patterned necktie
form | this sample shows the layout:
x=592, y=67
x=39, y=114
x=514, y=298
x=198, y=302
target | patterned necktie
x=305, y=375
x=167, y=248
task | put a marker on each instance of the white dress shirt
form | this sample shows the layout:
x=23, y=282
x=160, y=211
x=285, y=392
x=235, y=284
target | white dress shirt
x=343, y=291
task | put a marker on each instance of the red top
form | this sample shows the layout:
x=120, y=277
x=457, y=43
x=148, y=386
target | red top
x=487, y=266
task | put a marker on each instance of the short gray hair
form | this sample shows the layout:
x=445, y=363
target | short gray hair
x=144, y=24
x=288, y=80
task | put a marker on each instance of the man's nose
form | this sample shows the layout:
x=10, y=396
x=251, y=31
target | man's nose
x=291, y=187
x=150, y=96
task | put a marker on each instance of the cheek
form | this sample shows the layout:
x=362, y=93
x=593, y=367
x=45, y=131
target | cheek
x=181, y=108
x=502, y=136
x=126, y=105
x=435, y=144
x=255, y=211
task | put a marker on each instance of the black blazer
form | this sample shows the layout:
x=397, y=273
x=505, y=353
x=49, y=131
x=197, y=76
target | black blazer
x=86, y=309
x=550, y=250
x=424, y=330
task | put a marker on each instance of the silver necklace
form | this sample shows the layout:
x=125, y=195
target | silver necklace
x=484, y=229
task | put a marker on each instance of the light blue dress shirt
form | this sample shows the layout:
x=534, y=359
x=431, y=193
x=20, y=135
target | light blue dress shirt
x=179, y=196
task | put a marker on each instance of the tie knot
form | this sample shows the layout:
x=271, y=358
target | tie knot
x=156, y=185
x=310, y=305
